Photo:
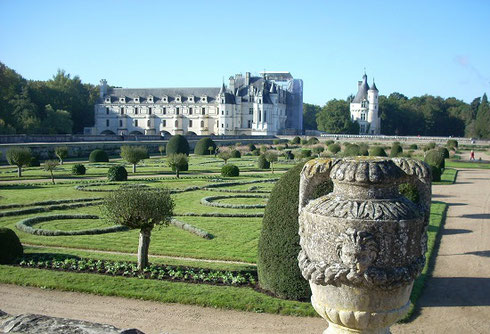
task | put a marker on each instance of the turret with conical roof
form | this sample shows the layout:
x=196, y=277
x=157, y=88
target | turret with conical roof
x=362, y=90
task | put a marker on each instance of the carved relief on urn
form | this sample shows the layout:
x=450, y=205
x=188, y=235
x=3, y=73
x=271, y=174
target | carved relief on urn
x=364, y=243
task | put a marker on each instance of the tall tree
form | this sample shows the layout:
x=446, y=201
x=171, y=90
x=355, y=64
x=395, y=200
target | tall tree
x=57, y=121
x=335, y=118
x=482, y=122
x=309, y=116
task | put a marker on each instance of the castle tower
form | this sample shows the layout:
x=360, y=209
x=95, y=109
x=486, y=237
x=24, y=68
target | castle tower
x=364, y=108
x=372, y=116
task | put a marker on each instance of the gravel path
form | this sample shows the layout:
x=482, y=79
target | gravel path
x=456, y=299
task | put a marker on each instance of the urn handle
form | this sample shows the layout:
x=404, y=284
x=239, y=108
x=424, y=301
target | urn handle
x=419, y=175
x=314, y=173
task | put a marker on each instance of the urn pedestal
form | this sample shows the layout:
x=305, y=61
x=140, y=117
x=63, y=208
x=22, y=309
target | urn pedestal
x=363, y=244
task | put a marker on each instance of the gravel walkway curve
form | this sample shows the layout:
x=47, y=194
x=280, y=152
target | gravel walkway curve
x=456, y=299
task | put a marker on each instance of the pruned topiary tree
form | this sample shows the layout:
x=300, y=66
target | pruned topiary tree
x=117, y=173
x=396, y=150
x=334, y=148
x=20, y=157
x=230, y=170
x=134, y=154
x=50, y=166
x=277, y=262
x=10, y=246
x=98, y=155
x=262, y=162
x=61, y=152
x=178, y=144
x=203, y=146
x=140, y=209
x=178, y=162
x=271, y=157
x=377, y=151
x=225, y=155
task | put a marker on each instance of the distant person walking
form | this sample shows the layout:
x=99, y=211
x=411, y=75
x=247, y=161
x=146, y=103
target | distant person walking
x=472, y=155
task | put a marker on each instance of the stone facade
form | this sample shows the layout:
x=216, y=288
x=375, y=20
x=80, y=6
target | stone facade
x=250, y=105
x=364, y=108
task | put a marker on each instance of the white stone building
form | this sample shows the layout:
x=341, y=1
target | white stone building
x=248, y=106
x=364, y=108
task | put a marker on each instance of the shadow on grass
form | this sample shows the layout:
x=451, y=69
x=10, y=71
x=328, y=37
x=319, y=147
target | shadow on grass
x=477, y=216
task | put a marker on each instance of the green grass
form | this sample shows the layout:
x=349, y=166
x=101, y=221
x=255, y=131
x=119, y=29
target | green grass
x=448, y=176
x=243, y=299
x=467, y=164
x=437, y=218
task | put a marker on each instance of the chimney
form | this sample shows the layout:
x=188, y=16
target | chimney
x=247, y=78
x=232, y=84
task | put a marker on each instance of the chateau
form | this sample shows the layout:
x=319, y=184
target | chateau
x=269, y=104
x=364, y=108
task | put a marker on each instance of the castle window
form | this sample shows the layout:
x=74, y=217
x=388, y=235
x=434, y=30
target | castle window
x=120, y=123
x=190, y=111
x=176, y=124
x=203, y=111
x=363, y=116
x=107, y=122
x=149, y=111
x=260, y=100
x=108, y=99
x=164, y=123
x=364, y=104
x=222, y=125
x=222, y=101
x=222, y=112
x=164, y=110
x=202, y=124
x=177, y=110
x=190, y=123
x=107, y=111
x=150, y=98
x=250, y=111
x=165, y=99
x=122, y=111
x=249, y=124
x=136, y=111
x=136, y=123
x=177, y=99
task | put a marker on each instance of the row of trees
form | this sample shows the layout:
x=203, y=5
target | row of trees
x=420, y=115
x=60, y=105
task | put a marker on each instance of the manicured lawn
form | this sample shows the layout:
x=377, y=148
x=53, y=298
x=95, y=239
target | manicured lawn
x=467, y=164
x=448, y=176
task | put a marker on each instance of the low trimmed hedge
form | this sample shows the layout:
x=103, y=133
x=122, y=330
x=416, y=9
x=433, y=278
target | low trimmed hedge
x=48, y=208
x=209, y=201
x=25, y=225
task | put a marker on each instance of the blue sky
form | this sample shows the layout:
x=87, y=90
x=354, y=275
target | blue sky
x=413, y=47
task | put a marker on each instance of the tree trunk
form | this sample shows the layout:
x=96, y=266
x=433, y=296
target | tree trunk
x=272, y=167
x=143, y=246
x=52, y=177
x=177, y=172
x=61, y=161
x=134, y=168
x=19, y=171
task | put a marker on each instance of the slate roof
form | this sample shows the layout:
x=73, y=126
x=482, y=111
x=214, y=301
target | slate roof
x=373, y=87
x=158, y=93
x=362, y=90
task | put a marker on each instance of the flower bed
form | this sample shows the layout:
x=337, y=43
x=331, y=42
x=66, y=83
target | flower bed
x=129, y=269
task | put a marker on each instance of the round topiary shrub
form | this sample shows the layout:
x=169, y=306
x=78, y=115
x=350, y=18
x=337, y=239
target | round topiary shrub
x=78, y=169
x=262, y=163
x=413, y=146
x=444, y=151
x=117, y=173
x=436, y=173
x=312, y=141
x=230, y=170
x=235, y=154
x=277, y=262
x=178, y=144
x=296, y=140
x=334, y=148
x=305, y=153
x=256, y=153
x=377, y=151
x=203, y=145
x=396, y=149
x=10, y=246
x=98, y=156
x=251, y=147
x=429, y=146
x=289, y=155
x=183, y=168
x=352, y=150
x=435, y=158
x=364, y=149
x=452, y=144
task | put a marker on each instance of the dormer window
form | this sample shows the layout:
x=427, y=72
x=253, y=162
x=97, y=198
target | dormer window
x=178, y=99
x=204, y=99
x=122, y=99
x=136, y=100
x=108, y=100
x=165, y=98
x=191, y=98
x=150, y=99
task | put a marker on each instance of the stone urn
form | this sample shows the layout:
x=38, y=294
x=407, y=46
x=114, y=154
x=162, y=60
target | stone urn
x=363, y=244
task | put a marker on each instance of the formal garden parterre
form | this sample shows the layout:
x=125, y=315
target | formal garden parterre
x=228, y=230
